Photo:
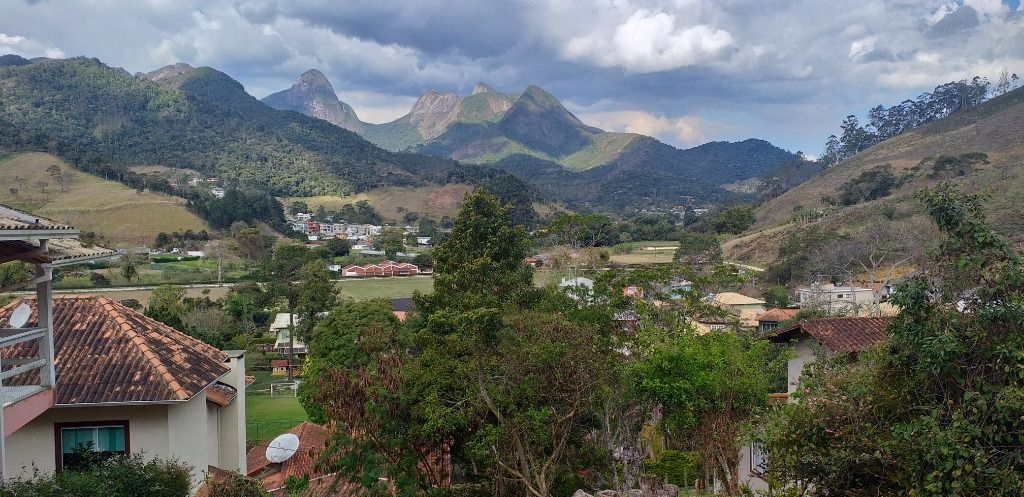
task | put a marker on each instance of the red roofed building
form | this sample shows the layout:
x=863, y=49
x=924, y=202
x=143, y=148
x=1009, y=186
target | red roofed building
x=771, y=319
x=312, y=442
x=126, y=383
x=385, y=269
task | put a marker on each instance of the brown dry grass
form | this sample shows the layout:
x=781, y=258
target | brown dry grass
x=89, y=203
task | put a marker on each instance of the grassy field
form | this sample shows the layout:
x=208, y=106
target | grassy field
x=267, y=417
x=90, y=203
x=432, y=201
x=143, y=295
x=390, y=288
x=644, y=252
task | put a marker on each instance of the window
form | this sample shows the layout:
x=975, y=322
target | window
x=841, y=296
x=758, y=458
x=102, y=438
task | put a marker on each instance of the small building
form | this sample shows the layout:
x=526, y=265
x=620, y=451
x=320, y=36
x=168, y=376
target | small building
x=835, y=300
x=772, y=318
x=279, y=367
x=301, y=465
x=385, y=269
x=633, y=291
x=402, y=307
x=578, y=287
x=423, y=241
x=217, y=192
x=747, y=307
x=715, y=321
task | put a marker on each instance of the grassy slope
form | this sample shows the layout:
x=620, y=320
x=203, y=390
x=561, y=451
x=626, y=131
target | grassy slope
x=90, y=203
x=432, y=201
x=996, y=128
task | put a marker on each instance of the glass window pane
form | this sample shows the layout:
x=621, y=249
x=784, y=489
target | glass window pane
x=71, y=438
x=111, y=439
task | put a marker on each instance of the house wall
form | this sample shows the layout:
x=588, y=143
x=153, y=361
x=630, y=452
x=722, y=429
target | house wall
x=232, y=419
x=803, y=353
x=35, y=443
x=188, y=433
x=745, y=474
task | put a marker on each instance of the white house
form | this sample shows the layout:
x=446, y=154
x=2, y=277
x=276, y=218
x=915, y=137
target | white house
x=217, y=192
x=841, y=300
x=280, y=328
x=848, y=335
x=126, y=383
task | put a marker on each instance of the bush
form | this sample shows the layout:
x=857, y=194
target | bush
x=98, y=279
x=124, y=476
x=677, y=467
x=872, y=184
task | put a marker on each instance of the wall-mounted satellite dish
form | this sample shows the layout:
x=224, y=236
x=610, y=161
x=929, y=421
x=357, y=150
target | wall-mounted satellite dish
x=20, y=316
x=282, y=448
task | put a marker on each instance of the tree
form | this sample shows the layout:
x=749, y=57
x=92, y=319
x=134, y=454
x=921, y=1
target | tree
x=872, y=184
x=253, y=245
x=391, y=241
x=217, y=250
x=579, y=232
x=12, y=273
x=283, y=274
x=698, y=249
x=42, y=185
x=128, y=268
x=708, y=386
x=541, y=379
x=166, y=304
x=733, y=220
x=952, y=354
x=776, y=298
x=339, y=247
x=297, y=207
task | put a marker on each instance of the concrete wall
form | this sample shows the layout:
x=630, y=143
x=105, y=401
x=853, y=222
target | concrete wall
x=35, y=443
x=746, y=475
x=803, y=353
x=232, y=418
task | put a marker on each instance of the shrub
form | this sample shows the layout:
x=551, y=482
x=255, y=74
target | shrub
x=872, y=184
x=124, y=476
x=677, y=467
x=98, y=279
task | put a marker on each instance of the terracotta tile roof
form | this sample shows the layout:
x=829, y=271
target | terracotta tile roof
x=778, y=315
x=221, y=394
x=312, y=442
x=108, y=353
x=839, y=335
x=279, y=363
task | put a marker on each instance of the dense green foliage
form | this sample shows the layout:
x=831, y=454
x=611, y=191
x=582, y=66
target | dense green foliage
x=126, y=476
x=954, y=354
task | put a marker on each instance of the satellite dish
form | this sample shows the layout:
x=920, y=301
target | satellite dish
x=20, y=316
x=282, y=448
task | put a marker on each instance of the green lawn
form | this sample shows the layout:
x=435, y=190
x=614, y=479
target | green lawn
x=266, y=417
x=390, y=288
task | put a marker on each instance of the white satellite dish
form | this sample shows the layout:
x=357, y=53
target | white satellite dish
x=282, y=448
x=20, y=316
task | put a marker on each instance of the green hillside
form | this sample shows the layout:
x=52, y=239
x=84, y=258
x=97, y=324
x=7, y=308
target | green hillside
x=946, y=150
x=196, y=118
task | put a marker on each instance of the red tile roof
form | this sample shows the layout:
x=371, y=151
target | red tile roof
x=109, y=353
x=838, y=334
x=778, y=315
x=312, y=442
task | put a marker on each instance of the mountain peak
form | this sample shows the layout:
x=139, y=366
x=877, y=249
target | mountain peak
x=170, y=71
x=314, y=79
x=482, y=88
x=433, y=102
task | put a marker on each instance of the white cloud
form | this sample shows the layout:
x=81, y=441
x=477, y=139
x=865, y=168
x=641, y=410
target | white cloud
x=988, y=7
x=686, y=130
x=25, y=47
x=862, y=47
x=648, y=42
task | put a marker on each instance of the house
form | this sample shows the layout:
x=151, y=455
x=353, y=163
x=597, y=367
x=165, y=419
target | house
x=883, y=290
x=280, y=328
x=715, y=321
x=747, y=307
x=402, y=307
x=279, y=367
x=423, y=241
x=677, y=288
x=44, y=246
x=848, y=335
x=385, y=269
x=217, y=192
x=835, y=300
x=578, y=287
x=771, y=319
x=303, y=216
x=126, y=383
x=302, y=465
x=634, y=291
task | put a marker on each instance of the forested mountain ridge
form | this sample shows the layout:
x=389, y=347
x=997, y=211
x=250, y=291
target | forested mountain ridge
x=201, y=119
x=533, y=136
x=981, y=148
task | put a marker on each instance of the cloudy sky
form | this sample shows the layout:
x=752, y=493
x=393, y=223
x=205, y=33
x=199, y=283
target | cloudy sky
x=685, y=71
